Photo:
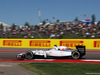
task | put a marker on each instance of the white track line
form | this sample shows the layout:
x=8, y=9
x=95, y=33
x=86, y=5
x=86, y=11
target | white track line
x=90, y=60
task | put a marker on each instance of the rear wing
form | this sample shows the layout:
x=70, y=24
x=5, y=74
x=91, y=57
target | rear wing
x=81, y=49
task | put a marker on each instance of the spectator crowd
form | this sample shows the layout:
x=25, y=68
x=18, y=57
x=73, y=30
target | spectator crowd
x=77, y=30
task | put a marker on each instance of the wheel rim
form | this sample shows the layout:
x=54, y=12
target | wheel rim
x=76, y=55
x=29, y=55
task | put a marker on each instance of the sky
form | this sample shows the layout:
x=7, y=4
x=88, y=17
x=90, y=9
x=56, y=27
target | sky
x=21, y=11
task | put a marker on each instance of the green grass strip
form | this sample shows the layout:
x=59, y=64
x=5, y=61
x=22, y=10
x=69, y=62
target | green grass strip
x=63, y=68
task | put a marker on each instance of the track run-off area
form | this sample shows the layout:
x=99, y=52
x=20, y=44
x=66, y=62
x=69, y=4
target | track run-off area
x=9, y=55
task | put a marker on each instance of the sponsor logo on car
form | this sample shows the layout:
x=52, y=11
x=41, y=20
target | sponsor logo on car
x=12, y=43
x=71, y=43
x=96, y=43
x=40, y=43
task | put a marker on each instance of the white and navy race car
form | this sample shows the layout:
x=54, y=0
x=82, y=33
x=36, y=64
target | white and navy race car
x=57, y=51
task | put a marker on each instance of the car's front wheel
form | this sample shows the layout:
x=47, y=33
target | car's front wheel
x=75, y=55
x=29, y=55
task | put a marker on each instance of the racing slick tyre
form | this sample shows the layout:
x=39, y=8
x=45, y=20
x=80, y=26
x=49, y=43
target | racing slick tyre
x=29, y=55
x=76, y=55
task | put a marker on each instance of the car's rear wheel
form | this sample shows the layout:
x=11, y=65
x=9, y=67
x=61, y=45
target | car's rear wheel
x=29, y=55
x=75, y=55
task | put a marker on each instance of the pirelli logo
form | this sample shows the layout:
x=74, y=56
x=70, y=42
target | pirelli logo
x=12, y=43
x=96, y=43
x=40, y=43
x=71, y=43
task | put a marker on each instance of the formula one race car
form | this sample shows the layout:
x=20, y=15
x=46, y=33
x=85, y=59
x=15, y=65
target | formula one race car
x=57, y=51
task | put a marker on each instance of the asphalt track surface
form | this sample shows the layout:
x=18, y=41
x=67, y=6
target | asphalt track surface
x=10, y=53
